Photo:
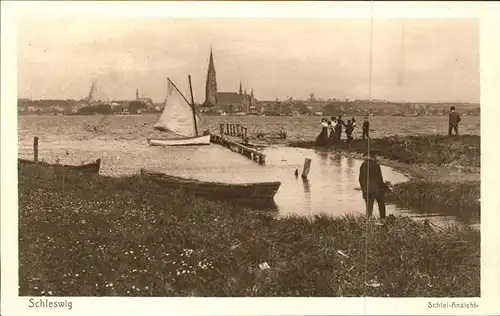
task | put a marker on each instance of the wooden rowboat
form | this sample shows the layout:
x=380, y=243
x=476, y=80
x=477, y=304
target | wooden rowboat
x=227, y=191
x=93, y=167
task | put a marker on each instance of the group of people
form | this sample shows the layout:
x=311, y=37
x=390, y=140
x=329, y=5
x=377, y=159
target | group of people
x=331, y=132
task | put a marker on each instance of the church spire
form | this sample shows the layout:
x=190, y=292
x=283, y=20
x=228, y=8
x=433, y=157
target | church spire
x=137, y=94
x=211, y=84
x=241, y=88
x=251, y=93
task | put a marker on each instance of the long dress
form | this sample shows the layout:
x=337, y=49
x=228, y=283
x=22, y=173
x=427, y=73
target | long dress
x=322, y=139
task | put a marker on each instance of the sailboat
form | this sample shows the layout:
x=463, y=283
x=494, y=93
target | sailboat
x=179, y=116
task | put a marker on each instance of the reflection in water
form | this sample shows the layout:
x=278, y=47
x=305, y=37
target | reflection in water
x=350, y=167
x=323, y=155
x=307, y=190
x=307, y=187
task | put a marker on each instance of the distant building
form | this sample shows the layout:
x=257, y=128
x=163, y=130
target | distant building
x=230, y=101
x=149, y=103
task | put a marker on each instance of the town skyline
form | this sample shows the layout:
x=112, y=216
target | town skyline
x=439, y=61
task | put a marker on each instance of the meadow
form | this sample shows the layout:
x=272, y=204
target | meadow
x=90, y=235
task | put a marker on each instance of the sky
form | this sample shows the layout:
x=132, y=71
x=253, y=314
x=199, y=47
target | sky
x=419, y=60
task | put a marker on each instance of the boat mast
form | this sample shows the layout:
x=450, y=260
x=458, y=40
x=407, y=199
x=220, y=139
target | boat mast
x=192, y=105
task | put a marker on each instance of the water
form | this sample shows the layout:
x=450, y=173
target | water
x=332, y=185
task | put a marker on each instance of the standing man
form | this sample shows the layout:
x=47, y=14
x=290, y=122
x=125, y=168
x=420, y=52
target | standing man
x=340, y=124
x=349, y=128
x=366, y=128
x=372, y=184
x=454, y=119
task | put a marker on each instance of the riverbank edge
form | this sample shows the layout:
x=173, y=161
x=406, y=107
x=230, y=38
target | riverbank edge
x=450, y=189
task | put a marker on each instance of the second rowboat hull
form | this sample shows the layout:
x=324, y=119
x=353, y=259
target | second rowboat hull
x=188, y=141
x=93, y=167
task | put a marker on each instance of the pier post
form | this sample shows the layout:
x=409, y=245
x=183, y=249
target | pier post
x=227, y=129
x=35, y=148
x=246, y=130
x=221, y=126
x=307, y=167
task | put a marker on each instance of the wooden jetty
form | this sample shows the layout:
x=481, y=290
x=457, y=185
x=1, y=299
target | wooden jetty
x=236, y=130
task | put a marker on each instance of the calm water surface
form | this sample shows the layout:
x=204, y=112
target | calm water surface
x=332, y=185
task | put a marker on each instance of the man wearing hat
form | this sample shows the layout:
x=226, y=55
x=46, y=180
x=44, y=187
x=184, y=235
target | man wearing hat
x=372, y=183
x=454, y=119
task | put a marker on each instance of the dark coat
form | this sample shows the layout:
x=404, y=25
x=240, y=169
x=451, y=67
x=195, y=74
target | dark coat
x=349, y=128
x=366, y=126
x=454, y=118
x=370, y=177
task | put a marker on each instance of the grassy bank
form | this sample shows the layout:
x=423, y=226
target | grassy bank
x=460, y=199
x=444, y=170
x=430, y=149
x=93, y=235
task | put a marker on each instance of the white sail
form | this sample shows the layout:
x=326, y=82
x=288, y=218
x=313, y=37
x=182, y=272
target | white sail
x=177, y=115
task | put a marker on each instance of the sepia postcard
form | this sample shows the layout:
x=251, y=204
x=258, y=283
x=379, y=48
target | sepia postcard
x=249, y=158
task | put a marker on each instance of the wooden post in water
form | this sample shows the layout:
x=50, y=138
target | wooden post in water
x=246, y=130
x=35, y=148
x=227, y=128
x=221, y=129
x=307, y=166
